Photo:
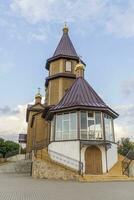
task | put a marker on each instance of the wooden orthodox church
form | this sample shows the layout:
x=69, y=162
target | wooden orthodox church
x=73, y=124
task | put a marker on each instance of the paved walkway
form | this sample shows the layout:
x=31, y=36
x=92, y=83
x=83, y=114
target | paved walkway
x=18, y=187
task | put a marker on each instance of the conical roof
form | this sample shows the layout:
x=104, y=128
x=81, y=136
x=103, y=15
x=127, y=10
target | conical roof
x=65, y=47
x=81, y=94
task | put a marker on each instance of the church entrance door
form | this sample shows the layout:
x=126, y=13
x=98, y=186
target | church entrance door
x=93, y=160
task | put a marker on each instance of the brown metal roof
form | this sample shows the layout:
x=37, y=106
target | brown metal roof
x=81, y=94
x=22, y=138
x=65, y=47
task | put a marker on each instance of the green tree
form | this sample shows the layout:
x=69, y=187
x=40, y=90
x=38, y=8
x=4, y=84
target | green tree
x=2, y=147
x=8, y=147
x=124, y=145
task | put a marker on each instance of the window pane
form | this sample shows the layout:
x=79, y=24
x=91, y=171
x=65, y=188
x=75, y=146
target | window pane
x=108, y=127
x=91, y=125
x=91, y=129
x=66, y=126
x=73, y=135
x=98, y=126
x=90, y=114
x=65, y=135
x=65, y=116
x=58, y=136
x=58, y=123
x=58, y=133
x=83, y=120
x=65, y=130
x=68, y=66
x=73, y=125
x=84, y=135
x=52, y=129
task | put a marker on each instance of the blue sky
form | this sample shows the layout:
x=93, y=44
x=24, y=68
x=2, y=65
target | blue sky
x=102, y=32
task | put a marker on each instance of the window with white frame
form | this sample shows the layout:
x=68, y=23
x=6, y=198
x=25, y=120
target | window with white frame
x=109, y=132
x=66, y=126
x=91, y=125
x=52, y=130
x=68, y=66
x=58, y=134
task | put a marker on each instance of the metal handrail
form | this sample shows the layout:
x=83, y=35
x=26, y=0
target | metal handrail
x=67, y=160
x=126, y=163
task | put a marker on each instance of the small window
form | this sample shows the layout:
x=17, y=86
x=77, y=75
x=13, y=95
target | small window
x=90, y=114
x=68, y=66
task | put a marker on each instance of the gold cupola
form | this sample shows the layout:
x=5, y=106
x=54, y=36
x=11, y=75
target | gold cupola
x=79, y=69
x=65, y=28
x=38, y=97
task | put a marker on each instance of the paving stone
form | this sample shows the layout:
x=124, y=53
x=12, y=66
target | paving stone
x=21, y=187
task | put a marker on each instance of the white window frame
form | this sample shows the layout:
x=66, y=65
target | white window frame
x=62, y=121
x=92, y=118
x=70, y=67
x=112, y=128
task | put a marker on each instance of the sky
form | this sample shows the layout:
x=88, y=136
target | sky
x=102, y=32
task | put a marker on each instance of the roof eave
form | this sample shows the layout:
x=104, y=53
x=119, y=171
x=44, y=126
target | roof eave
x=64, y=75
x=61, y=56
x=80, y=107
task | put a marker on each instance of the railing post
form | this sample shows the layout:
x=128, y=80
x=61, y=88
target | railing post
x=81, y=168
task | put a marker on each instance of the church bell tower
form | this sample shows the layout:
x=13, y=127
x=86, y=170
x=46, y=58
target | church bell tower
x=61, y=67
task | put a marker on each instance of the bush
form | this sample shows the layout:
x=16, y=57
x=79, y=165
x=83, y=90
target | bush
x=124, y=145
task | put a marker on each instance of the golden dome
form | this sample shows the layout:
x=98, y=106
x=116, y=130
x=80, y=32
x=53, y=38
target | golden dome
x=79, y=66
x=38, y=94
x=65, y=29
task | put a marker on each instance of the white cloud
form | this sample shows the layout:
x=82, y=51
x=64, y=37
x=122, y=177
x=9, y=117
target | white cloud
x=55, y=10
x=128, y=88
x=40, y=34
x=121, y=20
x=114, y=17
x=124, y=125
x=13, y=123
x=120, y=131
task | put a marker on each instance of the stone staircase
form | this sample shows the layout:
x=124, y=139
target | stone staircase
x=16, y=165
x=45, y=167
x=115, y=174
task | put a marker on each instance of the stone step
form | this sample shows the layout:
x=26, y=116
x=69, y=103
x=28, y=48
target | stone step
x=43, y=155
x=45, y=167
x=105, y=178
x=16, y=158
x=51, y=170
x=19, y=167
